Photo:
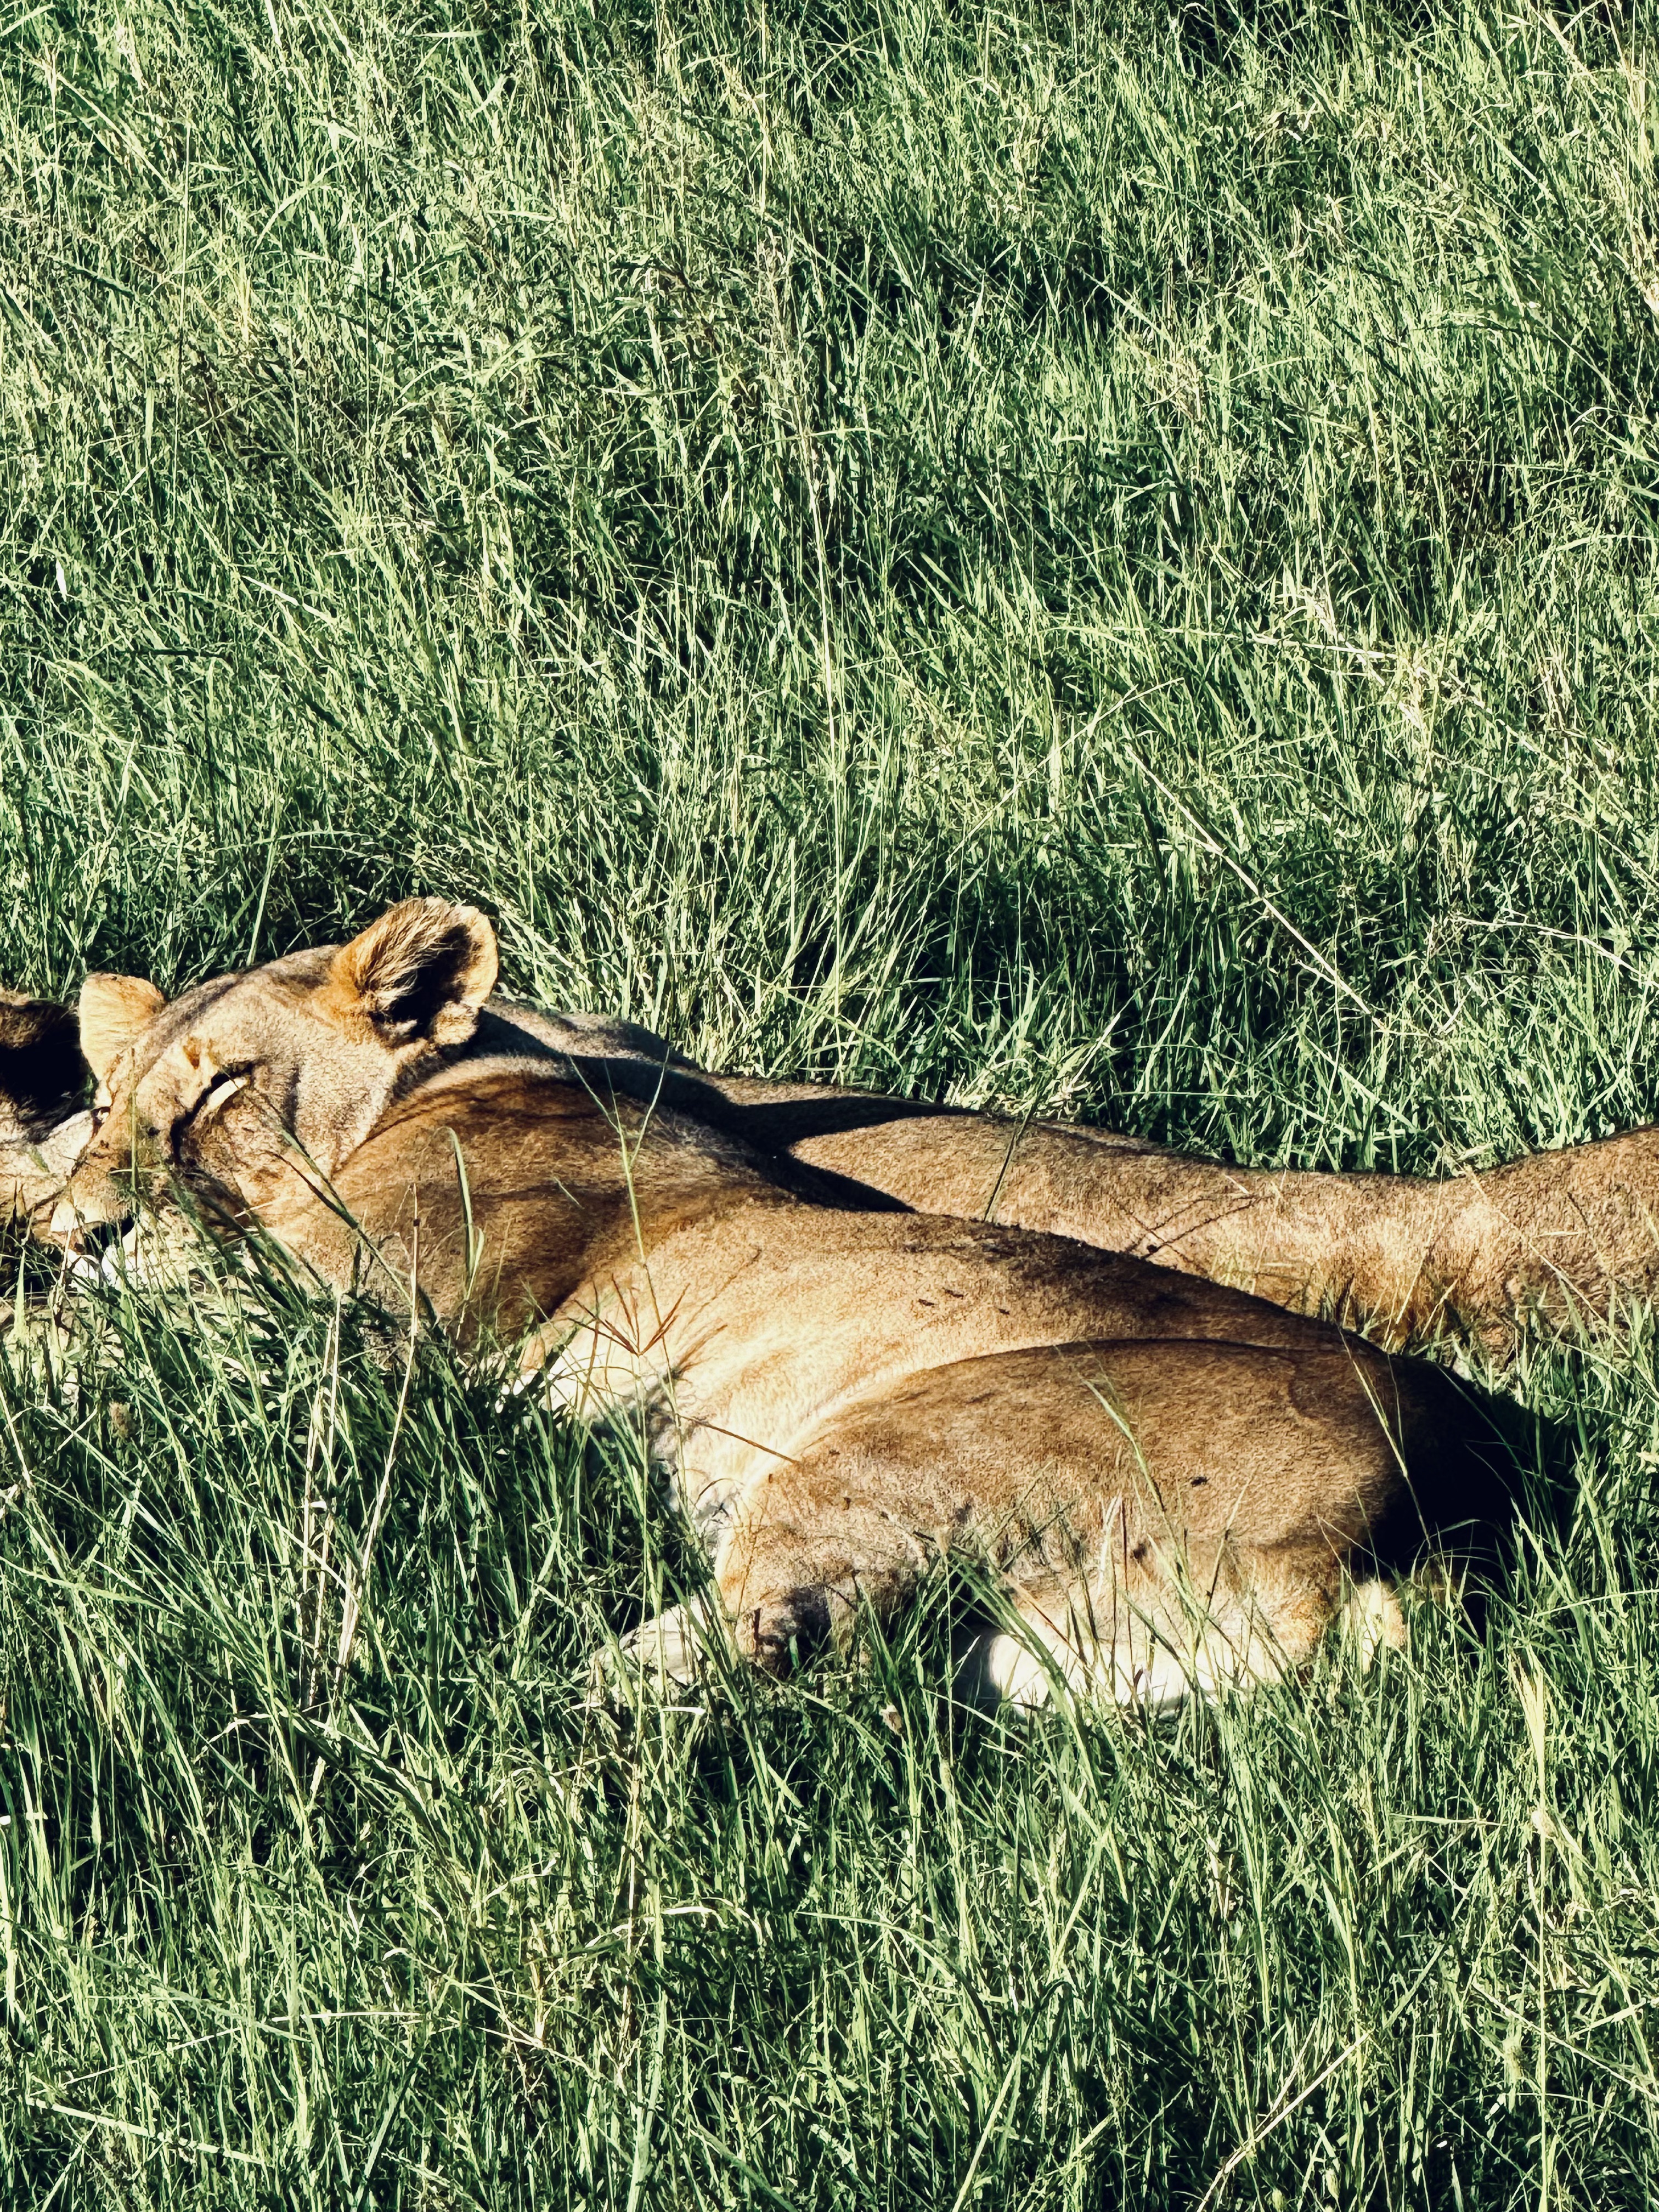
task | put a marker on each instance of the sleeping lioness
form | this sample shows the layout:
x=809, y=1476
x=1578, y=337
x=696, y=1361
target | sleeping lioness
x=1562, y=1233
x=1175, y=1482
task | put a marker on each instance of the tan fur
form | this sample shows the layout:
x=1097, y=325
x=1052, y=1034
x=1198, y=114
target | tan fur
x=1564, y=1234
x=113, y=1010
x=1174, y=1481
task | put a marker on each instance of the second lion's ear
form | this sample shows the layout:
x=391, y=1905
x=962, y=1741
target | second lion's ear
x=115, y=1009
x=41, y=1070
x=423, y=969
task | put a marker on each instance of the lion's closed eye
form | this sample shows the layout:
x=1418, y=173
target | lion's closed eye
x=226, y=1088
x=198, y=1122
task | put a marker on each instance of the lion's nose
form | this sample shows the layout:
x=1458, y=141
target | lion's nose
x=87, y=1238
x=66, y=1224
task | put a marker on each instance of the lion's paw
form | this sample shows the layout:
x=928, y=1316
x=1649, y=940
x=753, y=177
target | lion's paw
x=670, y=1653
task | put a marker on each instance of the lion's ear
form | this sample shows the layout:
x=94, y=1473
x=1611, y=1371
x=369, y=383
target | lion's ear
x=41, y=1070
x=113, y=1010
x=423, y=969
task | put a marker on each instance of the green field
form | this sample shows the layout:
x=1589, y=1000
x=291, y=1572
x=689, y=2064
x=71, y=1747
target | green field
x=1084, y=559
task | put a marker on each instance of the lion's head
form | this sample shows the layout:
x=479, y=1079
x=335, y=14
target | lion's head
x=229, y=1087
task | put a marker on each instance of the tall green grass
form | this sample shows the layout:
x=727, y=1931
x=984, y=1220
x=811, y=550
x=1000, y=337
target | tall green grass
x=1086, y=558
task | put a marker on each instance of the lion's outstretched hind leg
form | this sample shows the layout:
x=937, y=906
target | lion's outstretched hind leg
x=1177, y=1642
x=1163, y=1516
x=1051, y=1640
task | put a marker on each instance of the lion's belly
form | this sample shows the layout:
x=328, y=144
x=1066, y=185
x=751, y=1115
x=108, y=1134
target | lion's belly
x=743, y=1338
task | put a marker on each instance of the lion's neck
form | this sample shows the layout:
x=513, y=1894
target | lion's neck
x=494, y=1192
